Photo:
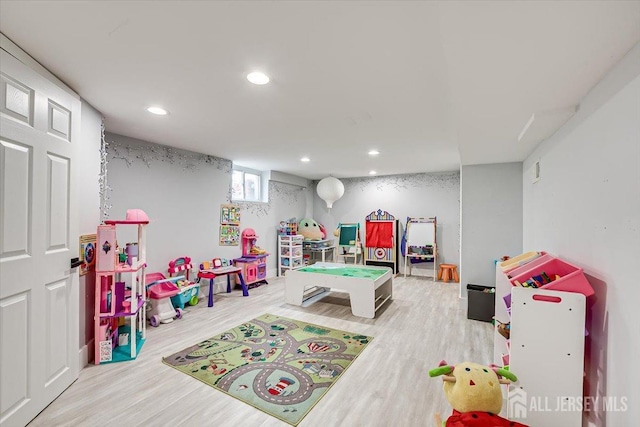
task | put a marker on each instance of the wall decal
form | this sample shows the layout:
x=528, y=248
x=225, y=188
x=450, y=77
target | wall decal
x=278, y=192
x=229, y=235
x=103, y=186
x=149, y=154
x=229, y=214
x=400, y=182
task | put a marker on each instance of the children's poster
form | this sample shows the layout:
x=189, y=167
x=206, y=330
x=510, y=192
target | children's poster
x=229, y=235
x=229, y=214
x=88, y=253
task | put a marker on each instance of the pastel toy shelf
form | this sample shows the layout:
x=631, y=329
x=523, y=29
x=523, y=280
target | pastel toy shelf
x=546, y=333
x=120, y=296
x=547, y=354
x=290, y=253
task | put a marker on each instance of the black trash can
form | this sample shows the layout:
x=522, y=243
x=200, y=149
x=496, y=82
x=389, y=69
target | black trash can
x=481, y=302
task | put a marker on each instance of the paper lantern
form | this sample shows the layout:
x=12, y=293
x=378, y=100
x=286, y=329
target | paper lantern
x=330, y=189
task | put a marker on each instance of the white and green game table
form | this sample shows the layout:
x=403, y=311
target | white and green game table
x=369, y=287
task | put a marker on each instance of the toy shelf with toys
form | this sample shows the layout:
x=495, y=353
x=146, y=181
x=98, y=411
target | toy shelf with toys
x=290, y=253
x=120, y=296
x=540, y=313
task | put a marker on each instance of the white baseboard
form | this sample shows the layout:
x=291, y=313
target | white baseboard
x=83, y=354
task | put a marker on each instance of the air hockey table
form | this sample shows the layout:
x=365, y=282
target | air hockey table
x=369, y=287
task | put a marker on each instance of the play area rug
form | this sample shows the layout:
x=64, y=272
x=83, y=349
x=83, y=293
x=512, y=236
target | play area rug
x=281, y=366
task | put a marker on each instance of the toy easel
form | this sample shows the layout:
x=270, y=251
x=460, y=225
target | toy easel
x=349, y=243
x=420, y=242
x=380, y=239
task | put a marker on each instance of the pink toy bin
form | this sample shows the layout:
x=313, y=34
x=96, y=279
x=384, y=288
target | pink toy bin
x=160, y=290
x=163, y=290
x=571, y=279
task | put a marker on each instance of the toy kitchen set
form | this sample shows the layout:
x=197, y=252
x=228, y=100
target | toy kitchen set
x=253, y=261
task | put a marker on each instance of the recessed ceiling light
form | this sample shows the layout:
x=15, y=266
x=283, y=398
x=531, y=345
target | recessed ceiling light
x=305, y=159
x=374, y=152
x=372, y=172
x=157, y=110
x=258, y=78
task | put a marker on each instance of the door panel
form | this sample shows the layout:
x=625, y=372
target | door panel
x=14, y=352
x=39, y=125
x=18, y=99
x=59, y=121
x=15, y=189
x=57, y=321
x=58, y=186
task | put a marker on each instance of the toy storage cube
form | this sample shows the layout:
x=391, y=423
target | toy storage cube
x=481, y=302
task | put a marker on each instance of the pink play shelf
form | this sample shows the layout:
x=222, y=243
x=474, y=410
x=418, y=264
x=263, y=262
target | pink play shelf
x=572, y=278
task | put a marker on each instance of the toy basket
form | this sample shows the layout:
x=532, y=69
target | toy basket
x=188, y=295
x=570, y=278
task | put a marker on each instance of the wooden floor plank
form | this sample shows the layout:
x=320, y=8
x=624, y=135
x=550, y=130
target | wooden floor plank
x=387, y=385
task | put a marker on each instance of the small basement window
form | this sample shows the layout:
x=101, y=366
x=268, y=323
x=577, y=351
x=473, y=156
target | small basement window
x=246, y=185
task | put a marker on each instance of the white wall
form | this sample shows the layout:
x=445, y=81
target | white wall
x=416, y=195
x=491, y=209
x=181, y=192
x=89, y=214
x=586, y=209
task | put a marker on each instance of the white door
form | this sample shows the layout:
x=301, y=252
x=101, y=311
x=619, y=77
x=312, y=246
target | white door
x=39, y=344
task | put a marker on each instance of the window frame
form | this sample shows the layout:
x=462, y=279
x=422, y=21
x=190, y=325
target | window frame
x=245, y=172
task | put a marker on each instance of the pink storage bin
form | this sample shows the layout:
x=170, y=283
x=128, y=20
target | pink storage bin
x=163, y=290
x=571, y=279
x=530, y=265
x=153, y=277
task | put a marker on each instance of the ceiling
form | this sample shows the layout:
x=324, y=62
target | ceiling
x=431, y=85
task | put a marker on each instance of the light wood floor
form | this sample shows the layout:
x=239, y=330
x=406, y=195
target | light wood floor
x=388, y=385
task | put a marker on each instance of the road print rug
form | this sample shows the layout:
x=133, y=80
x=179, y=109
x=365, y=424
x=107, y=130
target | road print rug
x=279, y=365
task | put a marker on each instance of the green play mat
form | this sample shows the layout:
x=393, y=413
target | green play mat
x=360, y=273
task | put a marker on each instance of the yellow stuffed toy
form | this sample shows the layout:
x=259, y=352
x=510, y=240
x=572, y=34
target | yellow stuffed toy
x=474, y=393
